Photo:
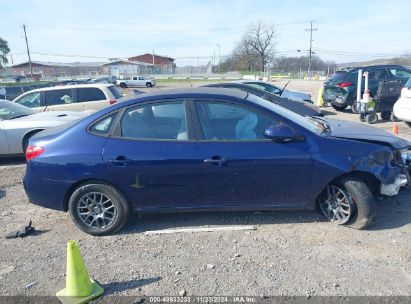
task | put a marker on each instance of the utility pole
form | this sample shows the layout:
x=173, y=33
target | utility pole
x=219, y=57
x=28, y=50
x=311, y=48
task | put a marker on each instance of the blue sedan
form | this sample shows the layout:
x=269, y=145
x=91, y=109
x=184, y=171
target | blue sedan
x=211, y=149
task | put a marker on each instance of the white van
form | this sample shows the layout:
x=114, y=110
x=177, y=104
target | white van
x=79, y=97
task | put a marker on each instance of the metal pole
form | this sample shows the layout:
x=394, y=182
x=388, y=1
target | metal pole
x=311, y=48
x=28, y=50
x=219, y=57
x=359, y=84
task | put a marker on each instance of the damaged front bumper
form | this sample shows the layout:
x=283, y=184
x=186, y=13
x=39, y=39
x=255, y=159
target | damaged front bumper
x=394, y=188
x=402, y=180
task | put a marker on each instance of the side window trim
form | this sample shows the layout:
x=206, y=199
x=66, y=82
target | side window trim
x=116, y=129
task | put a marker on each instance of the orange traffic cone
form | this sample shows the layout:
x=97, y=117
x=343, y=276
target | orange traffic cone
x=395, y=129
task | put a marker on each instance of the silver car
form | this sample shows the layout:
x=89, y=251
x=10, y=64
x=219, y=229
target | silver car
x=18, y=123
x=283, y=92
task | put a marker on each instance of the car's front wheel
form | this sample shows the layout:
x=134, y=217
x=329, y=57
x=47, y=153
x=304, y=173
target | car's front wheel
x=98, y=209
x=348, y=201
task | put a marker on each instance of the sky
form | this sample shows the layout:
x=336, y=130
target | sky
x=193, y=31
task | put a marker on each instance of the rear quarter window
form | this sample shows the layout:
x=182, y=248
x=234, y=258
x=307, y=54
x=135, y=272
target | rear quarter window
x=90, y=94
x=104, y=125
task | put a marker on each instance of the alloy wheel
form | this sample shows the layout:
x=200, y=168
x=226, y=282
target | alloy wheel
x=336, y=204
x=95, y=209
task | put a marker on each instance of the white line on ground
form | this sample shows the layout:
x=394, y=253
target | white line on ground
x=201, y=229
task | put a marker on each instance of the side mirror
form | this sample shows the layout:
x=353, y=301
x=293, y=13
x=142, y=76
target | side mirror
x=280, y=133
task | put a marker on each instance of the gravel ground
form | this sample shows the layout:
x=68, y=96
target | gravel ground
x=290, y=253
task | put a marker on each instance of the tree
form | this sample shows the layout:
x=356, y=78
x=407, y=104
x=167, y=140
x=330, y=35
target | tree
x=259, y=39
x=255, y=50
x=4, y=50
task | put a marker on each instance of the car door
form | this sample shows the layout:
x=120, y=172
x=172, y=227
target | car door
x=141, y=81
x=60, y=100
x=152, y=158
x=4, y=145
x=243, y=169
x=91, y=99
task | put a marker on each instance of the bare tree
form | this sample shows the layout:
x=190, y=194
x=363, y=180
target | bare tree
x=260, y=39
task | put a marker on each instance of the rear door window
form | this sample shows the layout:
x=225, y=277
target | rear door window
x=58, y=97
x=89, y=94
x=157, y=121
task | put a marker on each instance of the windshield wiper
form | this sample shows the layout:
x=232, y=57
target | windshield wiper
x=18, y=116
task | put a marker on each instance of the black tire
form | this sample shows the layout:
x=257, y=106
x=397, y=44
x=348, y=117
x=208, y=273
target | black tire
x=123, y=85
x=361, y=200
x=371, y=118
x=408, y=123
x=121, y=208
x=149, y=84
x=338, y=107
x=394, y=118
x=386, y=115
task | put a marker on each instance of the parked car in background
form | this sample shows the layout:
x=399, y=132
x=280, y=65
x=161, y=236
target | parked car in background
x=12, y=92
x=282, y=92
x=402, y=108
x=299, y=107
x=209, y=149
x=19, y=123
x=83, y=97
x=341, y=88
x=136, y=81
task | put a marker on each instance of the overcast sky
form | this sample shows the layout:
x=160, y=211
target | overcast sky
x=96, y=30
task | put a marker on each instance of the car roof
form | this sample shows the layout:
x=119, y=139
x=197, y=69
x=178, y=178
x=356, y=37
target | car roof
x=185, y=93
x=373, y=66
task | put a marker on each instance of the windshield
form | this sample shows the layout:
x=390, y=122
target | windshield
x=309, y=124
x=11, y=110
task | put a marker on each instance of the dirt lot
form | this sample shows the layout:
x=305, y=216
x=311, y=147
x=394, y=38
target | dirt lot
x=290, y=253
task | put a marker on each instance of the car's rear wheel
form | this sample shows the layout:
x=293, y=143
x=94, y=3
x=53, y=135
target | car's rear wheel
x=98, y=209
x=339, y=107
x=348, y=201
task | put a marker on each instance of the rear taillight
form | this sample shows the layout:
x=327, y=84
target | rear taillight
x=345, y=84
x=112, y=101
x=33, y=151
